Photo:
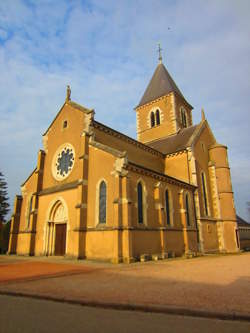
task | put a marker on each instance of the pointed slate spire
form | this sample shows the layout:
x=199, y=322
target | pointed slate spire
x=161, y=84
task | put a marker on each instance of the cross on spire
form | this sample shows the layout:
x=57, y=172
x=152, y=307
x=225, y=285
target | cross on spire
x=159, y=51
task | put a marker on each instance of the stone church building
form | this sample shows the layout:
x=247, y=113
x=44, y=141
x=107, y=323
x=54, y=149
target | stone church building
x=99, y=194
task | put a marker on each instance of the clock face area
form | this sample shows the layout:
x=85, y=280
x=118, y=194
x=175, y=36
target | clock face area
x=63, y=161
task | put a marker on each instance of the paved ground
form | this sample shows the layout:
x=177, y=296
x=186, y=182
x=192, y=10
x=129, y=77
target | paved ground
x=210, y=286
x=32, y=315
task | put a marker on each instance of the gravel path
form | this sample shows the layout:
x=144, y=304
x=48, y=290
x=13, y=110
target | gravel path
x=212, y=284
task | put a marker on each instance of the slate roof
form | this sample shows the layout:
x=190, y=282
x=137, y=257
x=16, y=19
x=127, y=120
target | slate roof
x=160, y=84
x=176, y=142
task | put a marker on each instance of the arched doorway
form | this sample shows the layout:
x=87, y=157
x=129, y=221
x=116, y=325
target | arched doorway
x=56, y=232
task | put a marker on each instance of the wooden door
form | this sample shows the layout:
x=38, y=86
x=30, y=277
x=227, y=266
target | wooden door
x=60, y=240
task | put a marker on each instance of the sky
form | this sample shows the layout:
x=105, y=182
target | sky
x=107, y=52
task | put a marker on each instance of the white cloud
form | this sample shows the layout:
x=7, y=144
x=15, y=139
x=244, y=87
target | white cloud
x=107, y=52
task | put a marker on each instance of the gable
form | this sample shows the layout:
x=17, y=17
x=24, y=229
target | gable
x=63, y=141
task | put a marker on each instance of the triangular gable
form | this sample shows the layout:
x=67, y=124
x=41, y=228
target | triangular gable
x=73, y=105
x=193, y=139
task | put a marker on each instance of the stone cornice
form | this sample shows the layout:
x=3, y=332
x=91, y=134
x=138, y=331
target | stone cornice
x=126, y=138
x=59, y=188
x=138, y=107
x=178, y=152
x=159, y=176
x=140, y=228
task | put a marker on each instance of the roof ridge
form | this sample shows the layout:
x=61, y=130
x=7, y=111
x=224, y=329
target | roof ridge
x=142, y=145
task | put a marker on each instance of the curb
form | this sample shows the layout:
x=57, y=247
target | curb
x=137, y=307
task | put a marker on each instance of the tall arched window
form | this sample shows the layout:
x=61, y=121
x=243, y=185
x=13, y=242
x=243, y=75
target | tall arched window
x=140, y=202
x=102, y=202
x=167, y=207
x=187, y=210
x=152, y=118
x=29, y=211
x=204, y=190
x=157, y=115
x=183, y=117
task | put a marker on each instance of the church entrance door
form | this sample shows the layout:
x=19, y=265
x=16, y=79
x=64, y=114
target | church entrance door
x=56, y=230
x=60, y=239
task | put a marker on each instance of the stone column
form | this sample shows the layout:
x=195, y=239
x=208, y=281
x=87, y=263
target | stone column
x=82, y=200
x=82, y=189
x=117, y=254
x=14, y=228
x=35, y=200
x=118, y=173
x=127, y=221
x=183, y=213
x=159, y=199
x=193, y=178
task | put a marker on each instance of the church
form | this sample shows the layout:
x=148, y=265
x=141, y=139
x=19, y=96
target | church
x=99, y=194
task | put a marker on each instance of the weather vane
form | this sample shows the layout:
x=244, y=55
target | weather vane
x=159, y=50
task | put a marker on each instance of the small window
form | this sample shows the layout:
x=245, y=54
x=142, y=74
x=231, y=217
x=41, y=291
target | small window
x=65, y=124
x=204, y=190
x=187, y=210
x=167, y=207
x=102, y=202
x=152, y=118
x=140, y=203
x=157, y=114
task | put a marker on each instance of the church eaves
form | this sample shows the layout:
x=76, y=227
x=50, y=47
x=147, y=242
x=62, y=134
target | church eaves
x=161, y=84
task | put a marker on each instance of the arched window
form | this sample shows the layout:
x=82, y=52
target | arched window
x=167, y=207
x=204, y=190
x=29, y=211
x=187, y=210
x=140, y=203
x=183, y=117
x=152, y=118
x=102, y=202
x=157, y=114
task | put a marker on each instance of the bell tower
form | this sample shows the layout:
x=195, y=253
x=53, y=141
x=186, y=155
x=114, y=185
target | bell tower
x=162, y=110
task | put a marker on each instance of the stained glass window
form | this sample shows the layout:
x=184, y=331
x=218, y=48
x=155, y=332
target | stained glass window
x=152, y=118
x=204, y=192
x=29, y=211
x=65, y=162
x=167, y=207
x=157, y=114
x=102, y=202
x=187, y=210
x=140, y=203
x=183, y=118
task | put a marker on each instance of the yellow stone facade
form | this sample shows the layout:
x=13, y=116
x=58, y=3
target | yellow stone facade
x=184, y=207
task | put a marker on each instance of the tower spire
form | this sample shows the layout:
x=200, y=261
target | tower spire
x=159, y=51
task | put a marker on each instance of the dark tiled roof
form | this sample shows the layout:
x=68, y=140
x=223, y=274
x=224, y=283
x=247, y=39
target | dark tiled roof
x=241, y=222
x=161, y=84
x=174, y=142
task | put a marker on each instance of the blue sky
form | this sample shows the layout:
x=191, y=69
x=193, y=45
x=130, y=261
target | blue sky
x=106, y=51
